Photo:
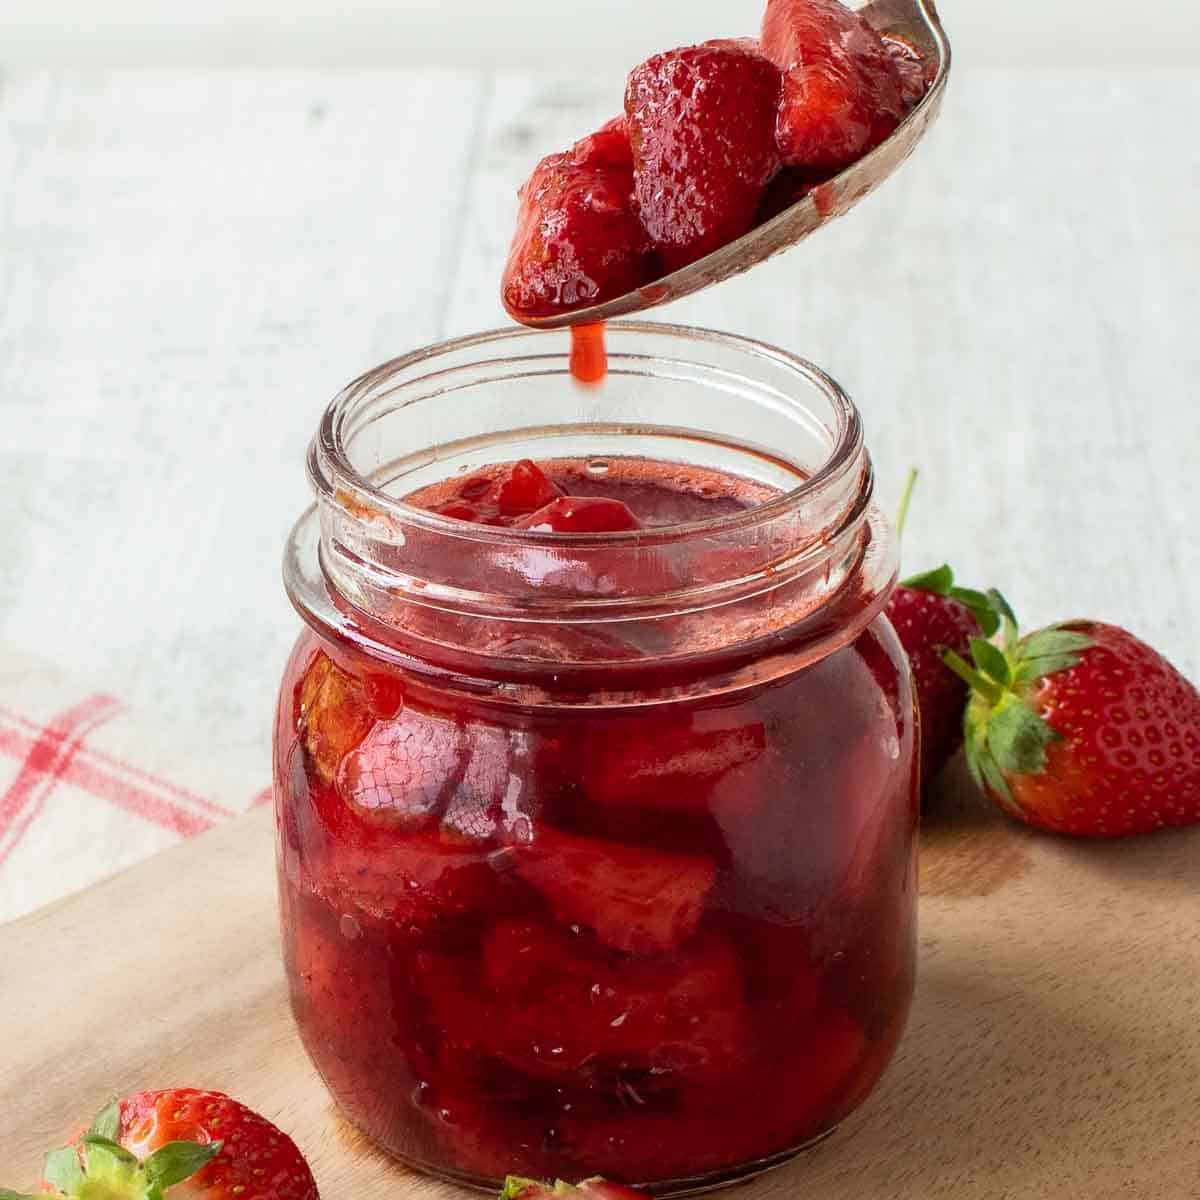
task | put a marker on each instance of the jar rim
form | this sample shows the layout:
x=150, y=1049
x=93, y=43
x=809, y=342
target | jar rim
x=807, y=561
x=336, y=480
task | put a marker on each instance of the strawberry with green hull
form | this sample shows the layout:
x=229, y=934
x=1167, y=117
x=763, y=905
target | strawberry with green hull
x=600, y=1189
x=1082, y=728
x=932, y=614
x=179, y=1144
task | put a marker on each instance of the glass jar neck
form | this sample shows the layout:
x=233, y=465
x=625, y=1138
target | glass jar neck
x=799, y=570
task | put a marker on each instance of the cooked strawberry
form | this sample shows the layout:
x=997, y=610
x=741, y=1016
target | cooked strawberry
x=412, y=886
x=333, y=714
x=932, y=615
x=799, y=1093
x=498, y=798
x=180, y=1142
x=607, y=147
x=562, y=1009
x=464, y=510
x=633, y=899
x=913, y=71
x=516, y=1188
x=403, y=771
x=336, y=980
x=578, y=239
x=581, y=514
x=842, y=93
x=520, y=488
x=1082, y=728
x=819, y=1069
x=671, y=763
x=701, y=124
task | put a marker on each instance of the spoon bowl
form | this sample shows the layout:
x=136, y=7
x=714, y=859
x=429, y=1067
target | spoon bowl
x=913, y=21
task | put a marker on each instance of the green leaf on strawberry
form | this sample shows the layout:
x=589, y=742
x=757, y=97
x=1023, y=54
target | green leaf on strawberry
x=177, y=1161
x=5, y=1194
x=940, y=581
x=1004, y=736
x=932, y=615
x=107, y=1123
x=517, y=1188
x=62, y=1170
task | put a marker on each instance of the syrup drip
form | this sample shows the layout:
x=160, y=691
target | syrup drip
x=589, y=358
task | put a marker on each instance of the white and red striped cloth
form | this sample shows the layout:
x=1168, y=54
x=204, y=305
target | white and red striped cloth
x=87, y=788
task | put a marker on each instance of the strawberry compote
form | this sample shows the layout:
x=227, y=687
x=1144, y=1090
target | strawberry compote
x=602, y=861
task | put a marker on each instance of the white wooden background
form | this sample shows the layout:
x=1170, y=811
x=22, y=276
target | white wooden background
x=192, y=263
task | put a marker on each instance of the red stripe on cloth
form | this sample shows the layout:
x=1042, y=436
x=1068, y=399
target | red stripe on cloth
x=142, y=803
x=166, y=785
x=48, y=756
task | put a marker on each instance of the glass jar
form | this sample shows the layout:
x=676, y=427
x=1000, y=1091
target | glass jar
x=597, y=851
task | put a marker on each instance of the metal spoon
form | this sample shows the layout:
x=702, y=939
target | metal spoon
x=914, y=21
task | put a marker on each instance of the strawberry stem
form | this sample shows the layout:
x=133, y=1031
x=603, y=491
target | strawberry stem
x=986, y=687
x=910, y=483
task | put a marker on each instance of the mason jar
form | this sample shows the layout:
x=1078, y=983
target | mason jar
x=596, y=851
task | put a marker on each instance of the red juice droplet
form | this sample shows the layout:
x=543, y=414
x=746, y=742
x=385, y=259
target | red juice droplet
x=589, y=359
x=825, y=198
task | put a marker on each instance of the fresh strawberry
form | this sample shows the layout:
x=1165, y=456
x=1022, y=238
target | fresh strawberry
x=179, y=1143
x=578, y=239
x=701, y=124
x=581, y=514
x=842, y=91
x=633, y=899
x=1082, y=728
x=516, y=1188
x=931, y=615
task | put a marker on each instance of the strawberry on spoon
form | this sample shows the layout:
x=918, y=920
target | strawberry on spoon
x=702, y=131
x=178, y=1144
x=931, y=614
x=1082, y=728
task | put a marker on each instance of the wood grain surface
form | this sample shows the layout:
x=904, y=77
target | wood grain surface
x=1054, y=1049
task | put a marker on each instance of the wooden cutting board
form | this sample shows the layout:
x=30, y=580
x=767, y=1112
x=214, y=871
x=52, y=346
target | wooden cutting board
x=1054, y=1049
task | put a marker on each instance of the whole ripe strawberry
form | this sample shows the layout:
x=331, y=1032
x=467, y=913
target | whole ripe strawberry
x=178, y=1144
x=1082, y=728
x=842, y=89
x=932, y=615
x=701, y=126
x=578, y=238
x=598, y=1189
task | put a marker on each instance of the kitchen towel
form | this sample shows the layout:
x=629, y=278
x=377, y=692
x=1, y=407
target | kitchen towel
x=88, y=787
